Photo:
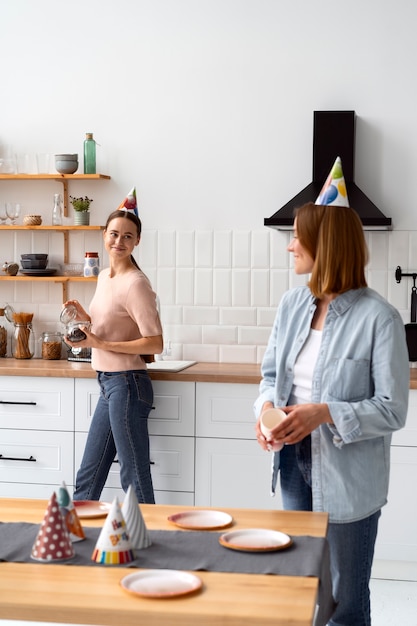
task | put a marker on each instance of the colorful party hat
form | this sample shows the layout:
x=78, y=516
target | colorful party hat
x=130, y=202
x=136, y=527
x=334, y=189
x=53, y=542
x=70, y=515
x=113, y=546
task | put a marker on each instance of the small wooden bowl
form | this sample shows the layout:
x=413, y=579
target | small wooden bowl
x=32, y=220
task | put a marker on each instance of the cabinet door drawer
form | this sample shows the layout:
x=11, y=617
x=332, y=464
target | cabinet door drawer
x=34, y=456
x=37, y=403
x=225, y=410
x=172, y=461
x=173, y=413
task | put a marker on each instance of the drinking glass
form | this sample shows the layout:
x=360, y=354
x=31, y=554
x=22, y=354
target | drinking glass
x=3, y=214
x=13, y=211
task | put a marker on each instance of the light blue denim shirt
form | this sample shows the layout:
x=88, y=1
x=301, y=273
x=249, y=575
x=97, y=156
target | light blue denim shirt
x=362, y=373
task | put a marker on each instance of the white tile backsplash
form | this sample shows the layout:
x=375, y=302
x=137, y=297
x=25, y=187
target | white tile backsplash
x=218, y=289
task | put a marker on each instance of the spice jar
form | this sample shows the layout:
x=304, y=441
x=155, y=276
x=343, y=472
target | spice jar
x=91, y=264
x=51, y=345
x=23, y=341
x=3, y=337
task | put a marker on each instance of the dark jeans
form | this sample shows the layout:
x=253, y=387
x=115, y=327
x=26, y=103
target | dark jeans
x=119, y=426
x=351, y=545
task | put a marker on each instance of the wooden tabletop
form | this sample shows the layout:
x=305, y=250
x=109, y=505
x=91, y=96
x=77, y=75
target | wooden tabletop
x=87, y=595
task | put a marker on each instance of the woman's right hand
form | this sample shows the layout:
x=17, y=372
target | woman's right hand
x=81, y=312
x=259, y=435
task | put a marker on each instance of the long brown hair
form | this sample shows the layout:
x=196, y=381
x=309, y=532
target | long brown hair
x=334, y=238
x=129, y=215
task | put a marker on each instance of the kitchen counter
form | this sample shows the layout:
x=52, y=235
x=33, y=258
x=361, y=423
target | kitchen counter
x=246, y=373
x=200, y=372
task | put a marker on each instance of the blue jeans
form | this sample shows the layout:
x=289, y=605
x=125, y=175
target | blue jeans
x=351, y=545
x=119, y=426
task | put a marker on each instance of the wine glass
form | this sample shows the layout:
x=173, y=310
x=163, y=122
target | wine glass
x=13, y=211
x=3, y=214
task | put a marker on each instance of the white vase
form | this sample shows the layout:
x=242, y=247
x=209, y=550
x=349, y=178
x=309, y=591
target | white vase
x=81, y=218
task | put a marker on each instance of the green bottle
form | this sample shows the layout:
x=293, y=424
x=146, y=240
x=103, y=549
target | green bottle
x=89, y=154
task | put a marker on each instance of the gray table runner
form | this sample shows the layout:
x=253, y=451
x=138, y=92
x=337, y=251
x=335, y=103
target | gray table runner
x=193, y=551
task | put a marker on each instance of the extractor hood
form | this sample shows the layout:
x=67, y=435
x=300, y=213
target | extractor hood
x=334, y=135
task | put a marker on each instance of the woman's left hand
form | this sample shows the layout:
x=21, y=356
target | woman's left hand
x=301, y=420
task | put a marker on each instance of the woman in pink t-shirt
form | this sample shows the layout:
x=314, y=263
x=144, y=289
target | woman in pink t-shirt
x=125, y=326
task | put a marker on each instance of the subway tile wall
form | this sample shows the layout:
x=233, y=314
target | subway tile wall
x=218, y=289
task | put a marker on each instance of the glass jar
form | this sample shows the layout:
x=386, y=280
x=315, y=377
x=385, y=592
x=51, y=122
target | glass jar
x=23, y=341
x=3, y=336
x=72, y=325
x=91, y=264
x=51, y=345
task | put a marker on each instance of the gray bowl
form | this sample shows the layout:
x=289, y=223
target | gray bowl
x=66, y=167
x=66, y=157
x=29, y=264
x=34, y=257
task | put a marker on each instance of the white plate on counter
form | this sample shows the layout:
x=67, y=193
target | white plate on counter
x=201, y=520
x=255, y=540
x=161, y=583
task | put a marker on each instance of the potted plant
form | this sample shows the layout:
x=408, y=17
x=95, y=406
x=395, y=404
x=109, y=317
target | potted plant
x=81, y=207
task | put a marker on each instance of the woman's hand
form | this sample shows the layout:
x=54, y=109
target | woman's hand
x=259, y=435
x=301, y=420
x=81, y=312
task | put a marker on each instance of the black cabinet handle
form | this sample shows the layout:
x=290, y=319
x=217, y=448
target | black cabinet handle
x=13, y=402
x=117, y=461
x=13, y=458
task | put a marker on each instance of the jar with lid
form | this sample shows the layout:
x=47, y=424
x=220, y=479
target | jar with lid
x=3, y=336
x=91, y=264
x=23, y=341
x=73, y=326
x=51, y=345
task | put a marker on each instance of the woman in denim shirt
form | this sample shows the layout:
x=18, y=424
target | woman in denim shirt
x=337, y=364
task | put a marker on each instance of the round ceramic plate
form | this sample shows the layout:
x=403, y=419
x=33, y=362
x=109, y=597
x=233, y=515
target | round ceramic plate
x=50, y=271
x=161, y=583
x=91, y=508
x=201, y=520
x=255, y=540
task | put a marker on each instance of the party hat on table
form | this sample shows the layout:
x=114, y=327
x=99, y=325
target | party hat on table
x=53, y=542
x=136, y=527
x=70, y=515
x=130, y=202
x=113, y=546
x=334, y=191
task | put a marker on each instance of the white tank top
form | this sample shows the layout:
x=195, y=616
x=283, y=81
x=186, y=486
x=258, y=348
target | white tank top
x=304, y=367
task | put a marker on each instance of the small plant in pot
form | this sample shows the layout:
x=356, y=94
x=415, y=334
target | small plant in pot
x=81, y=207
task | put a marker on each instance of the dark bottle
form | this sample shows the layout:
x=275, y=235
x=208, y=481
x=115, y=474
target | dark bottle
x=89, y=154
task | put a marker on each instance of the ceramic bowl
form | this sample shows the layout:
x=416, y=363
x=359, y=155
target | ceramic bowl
x=34, y=257
x=66, y=167
x=30, y=264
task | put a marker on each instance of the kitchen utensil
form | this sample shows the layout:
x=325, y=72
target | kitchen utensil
x=32, y=264
x=66, y=163
x=13, y=211
x=411, y=329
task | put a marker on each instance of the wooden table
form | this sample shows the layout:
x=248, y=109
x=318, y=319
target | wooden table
x=87, y=595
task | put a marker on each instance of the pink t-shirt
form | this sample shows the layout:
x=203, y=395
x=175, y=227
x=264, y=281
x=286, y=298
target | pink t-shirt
x=123, y=308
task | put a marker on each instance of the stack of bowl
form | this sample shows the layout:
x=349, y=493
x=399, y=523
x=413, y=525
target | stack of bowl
x=66, y=163
x=34, y=261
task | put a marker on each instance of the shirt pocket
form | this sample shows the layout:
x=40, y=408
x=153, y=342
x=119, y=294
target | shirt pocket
x=349, y=379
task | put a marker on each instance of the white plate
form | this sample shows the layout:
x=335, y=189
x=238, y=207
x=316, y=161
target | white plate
x=91, y=508
x=201, y=520
x=255, y=540
x=161, y=583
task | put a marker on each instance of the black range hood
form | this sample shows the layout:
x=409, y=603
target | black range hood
x=334, y=135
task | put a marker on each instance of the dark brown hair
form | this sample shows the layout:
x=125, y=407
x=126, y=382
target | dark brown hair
x=129, y=215
x=334, y=238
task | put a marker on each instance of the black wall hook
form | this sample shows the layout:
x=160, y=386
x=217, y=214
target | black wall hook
x=399, y=274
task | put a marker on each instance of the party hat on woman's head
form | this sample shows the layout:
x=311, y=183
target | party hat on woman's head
x=130, y=202
x=334, y=191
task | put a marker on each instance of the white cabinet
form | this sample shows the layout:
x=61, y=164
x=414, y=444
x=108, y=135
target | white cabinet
x=231, y=468
x=36, y=435
x=396, y=546
x=171, y=429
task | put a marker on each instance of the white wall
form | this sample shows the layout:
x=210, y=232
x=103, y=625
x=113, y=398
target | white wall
x=206, y=106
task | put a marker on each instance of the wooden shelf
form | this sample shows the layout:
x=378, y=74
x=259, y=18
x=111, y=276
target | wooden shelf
x=60, y=229
x=60, y=178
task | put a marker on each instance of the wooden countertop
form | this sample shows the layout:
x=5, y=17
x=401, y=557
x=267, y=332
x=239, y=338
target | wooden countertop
x=201, y=372
x=246, y=373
